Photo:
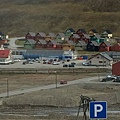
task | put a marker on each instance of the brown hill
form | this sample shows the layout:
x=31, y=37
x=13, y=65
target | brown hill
x=17, y=17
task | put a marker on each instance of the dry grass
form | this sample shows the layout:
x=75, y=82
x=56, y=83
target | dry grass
x=68, y=96
x=55, y=17
x=21, y=81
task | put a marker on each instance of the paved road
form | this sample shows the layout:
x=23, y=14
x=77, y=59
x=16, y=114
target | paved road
x=17, y=92
x=52, y=86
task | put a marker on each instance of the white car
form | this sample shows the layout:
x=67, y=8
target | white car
x=85, y=64
x=56, y=63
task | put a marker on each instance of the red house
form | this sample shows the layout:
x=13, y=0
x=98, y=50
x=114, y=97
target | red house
x=104, y=46
x=30, y=35
x=75, y=38
x=52, y=44
x=40, y=36
x=115, y=47
x=116, y=68
x=40, y=44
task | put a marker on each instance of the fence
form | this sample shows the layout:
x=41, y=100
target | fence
x=53, y=70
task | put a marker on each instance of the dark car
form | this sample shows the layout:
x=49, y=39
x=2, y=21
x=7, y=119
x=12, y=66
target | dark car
x=108, y=78
x=71, y=65
x=117, y=79
x=65, y=65
x=25, y=62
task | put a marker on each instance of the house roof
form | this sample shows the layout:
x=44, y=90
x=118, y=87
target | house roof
x=4, y=53
x=81, y=30
x=93, y=30
x=116, y=54
x=31, y=41
x=71, y=30
x=87, y=36
x=60, y=34
x=104, y=55
x=83, y=43
x=108, y=31
x=42, y=34
x=107, y=43
x=32, y=33
x=76, y=36
x=70, y=42
x=94, y=43
x=54, y=42
x=46, y=53
x=51, y=34
x=42, y=41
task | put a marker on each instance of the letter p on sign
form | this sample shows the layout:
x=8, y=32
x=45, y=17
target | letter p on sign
x=98, y=110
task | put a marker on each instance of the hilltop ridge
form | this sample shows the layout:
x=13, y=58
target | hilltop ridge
x=17, y=17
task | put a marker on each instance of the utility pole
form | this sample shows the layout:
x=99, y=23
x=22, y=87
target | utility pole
x=7, y=87
x=56, y=78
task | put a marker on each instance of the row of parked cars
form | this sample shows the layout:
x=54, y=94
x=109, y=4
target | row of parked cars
x=72, y=64
x=48, y=61
x=111, y=78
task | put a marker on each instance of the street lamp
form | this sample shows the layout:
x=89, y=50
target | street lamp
x=56, y=78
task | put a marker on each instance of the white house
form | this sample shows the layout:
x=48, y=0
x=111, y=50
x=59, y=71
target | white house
x=101, y=59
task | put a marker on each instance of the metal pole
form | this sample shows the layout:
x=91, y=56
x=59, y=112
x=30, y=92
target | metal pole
x=56, y=78
x=7, y=88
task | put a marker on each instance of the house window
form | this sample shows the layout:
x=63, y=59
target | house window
x=13, y=52
x=98, y=57
x=100, y=61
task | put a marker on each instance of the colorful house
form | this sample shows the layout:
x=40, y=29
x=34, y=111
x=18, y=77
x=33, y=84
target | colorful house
x=60, y=37
x=69, y=32
x=68, y=45
x=29, y=44
x=93, y=46
x=40, y=44
x=75, y=38
x=115, y=47
x=106, y=34
x=104, y=46
x=30, y=35
x=92, y=32
x=81, y=45
x=5, y=57
x=40, y=36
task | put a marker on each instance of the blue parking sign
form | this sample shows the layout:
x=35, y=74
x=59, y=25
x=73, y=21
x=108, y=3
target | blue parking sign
x=98, y=110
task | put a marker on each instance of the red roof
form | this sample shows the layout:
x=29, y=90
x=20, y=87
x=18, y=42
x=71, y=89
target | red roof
x=4, y=53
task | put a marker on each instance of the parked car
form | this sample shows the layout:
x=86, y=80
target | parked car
x=71, y=65
x=56, y=63
x=63, y=82
x=25, y=62
x=68, y=60
x=108, y=78
x=65, y=65
x=85, y=64
x=117, y=79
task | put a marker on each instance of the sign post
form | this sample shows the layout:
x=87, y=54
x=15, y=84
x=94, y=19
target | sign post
x=98, y=109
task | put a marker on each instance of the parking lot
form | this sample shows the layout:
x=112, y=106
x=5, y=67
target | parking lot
x=40, y=64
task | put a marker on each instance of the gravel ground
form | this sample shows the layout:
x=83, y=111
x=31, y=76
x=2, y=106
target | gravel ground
x=67, y=97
